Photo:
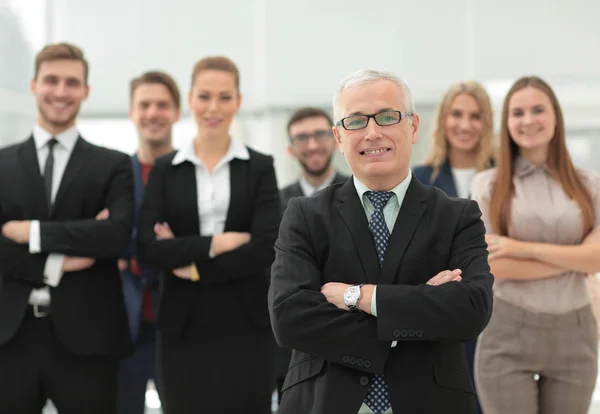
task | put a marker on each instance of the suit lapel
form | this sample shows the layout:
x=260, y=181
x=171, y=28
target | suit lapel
x=353, y=214
x=408, y=219
x=76, y=162
x=238, y=199
x=29, y=161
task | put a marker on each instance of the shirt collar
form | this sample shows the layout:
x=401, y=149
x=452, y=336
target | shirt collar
x=399, y=190
x=524, y=167
x=188, y=153
x=66, y=138
x=309, y=190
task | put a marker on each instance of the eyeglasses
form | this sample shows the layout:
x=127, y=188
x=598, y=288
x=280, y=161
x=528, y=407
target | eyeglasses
x=319, y=136
x=384, y=118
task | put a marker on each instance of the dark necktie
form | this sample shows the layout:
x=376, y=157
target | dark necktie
x=378, y=397
x=49, y=171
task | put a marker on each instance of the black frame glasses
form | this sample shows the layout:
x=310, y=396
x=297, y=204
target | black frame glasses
x=321, y=135
x=379, y=118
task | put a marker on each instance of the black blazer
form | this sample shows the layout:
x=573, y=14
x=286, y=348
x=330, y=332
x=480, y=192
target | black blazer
x=325, y=238
x=254, y=207
x=87, y=308
x=444, y=180
x=295, y=190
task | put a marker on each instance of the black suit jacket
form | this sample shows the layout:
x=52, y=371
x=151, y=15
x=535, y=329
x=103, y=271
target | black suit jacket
x=325, y=238
x=295, y=190
x=171, y=197
x=287, y=193
x=88, y=312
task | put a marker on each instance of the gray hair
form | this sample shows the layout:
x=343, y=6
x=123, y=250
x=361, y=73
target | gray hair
x=367, y=75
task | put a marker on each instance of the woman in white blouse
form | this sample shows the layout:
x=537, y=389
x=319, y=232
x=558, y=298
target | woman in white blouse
x=539, y=351
x=209, y=220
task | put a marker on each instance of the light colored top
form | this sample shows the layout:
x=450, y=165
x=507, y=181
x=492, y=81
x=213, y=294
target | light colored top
x=62, y=152
x=462, y=180
x=213, y=190
x=308, y=190
x=541, y=212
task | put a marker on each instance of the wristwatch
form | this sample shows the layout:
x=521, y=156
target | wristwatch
x=351, y=297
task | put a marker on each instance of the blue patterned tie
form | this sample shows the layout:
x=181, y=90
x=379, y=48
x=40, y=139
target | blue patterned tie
x=378, y=397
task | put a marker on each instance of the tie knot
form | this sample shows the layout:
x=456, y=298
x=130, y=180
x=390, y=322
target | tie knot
x=379, y=198
x=52, y=142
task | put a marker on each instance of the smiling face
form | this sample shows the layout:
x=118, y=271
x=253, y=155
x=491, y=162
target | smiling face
x=214, y=101
x=378, y=156
x=463, y=126
x=312, y=144
x=153, y=111
x=59, y=89
x=531, y=122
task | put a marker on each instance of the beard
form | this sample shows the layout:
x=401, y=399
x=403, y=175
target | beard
x=317, y=172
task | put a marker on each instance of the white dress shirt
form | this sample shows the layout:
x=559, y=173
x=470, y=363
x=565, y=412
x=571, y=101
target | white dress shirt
x=308, y=190
x=214, y=190
x=390, y=214
x=62, y=152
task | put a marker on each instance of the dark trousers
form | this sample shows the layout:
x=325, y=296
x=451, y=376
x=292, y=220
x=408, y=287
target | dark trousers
x=35, y=366
x=136, y=370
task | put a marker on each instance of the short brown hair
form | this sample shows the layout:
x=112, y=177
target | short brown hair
x=156, y=77
x=61, y=51
x=308, y=112
x=220, y=63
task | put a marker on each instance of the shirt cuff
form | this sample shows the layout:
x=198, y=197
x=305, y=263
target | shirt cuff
x=35, y=242
x=374, y=302
x=53, y=269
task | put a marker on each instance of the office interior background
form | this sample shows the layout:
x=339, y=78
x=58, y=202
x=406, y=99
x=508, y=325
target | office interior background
x=294, y=52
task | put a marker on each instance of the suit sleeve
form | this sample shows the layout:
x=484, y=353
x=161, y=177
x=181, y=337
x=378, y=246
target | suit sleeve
x=97, y=238
x=245, y=261
x=302, y=318
x=17, y=263
x=452, y=311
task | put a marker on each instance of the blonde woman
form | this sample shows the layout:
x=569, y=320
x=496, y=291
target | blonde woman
x=462, y=145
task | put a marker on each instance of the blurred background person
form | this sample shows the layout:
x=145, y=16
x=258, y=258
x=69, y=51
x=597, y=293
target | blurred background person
x=463, y=140
x=462, y=144
x=210, y=218
x=312, y=144
x=542, y=215
x=154, y=108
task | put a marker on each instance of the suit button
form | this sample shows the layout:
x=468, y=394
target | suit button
x=404, y=333
x=360, y=362
x=419, y=333
x=367, y=363
x=346, y=359
x=364, y=381
x=411, y=332
x=396, y=333
x=353, y=360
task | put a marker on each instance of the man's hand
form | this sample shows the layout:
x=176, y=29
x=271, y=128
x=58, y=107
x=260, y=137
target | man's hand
x=226, y=242
x=17, y=231
x=103, y=215
x=74, y=264
x=334, y=293
x=445, y=276
x=183, y=272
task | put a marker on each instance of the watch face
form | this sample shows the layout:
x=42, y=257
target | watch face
x=351, y=293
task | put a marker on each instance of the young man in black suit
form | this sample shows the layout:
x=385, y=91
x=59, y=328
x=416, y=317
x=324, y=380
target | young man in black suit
x=313, y=145
x=66, y=210
x=376, y=283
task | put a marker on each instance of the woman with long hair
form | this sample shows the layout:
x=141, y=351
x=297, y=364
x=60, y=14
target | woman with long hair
x=539, y=352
